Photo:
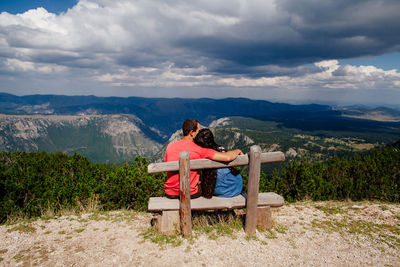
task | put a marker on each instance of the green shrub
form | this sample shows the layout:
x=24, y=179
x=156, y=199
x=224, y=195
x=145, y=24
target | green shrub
x=373, y=176
x=31, y=182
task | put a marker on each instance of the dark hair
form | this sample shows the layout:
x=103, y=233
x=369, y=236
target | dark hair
x=205, y=138
x=189, y=125
x=208, y=177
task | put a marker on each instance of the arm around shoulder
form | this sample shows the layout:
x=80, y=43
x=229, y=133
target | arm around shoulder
x=228, y=156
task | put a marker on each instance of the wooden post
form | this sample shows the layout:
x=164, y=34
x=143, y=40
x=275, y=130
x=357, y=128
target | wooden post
x=184, y=194
x=264, y=218
x=168, y=222
x=252, y=191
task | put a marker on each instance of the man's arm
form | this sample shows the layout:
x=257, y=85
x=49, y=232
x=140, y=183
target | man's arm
x=228, y=156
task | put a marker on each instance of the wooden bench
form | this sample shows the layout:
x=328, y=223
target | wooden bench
x=176, y=213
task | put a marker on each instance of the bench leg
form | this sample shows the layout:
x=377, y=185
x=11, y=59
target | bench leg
x=264, y=218
x=168, y=222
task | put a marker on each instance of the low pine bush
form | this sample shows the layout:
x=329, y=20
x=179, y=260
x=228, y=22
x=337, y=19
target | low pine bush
x=373, y=176
x=31, y=182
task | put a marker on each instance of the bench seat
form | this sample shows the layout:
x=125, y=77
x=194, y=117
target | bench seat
x=264, y=199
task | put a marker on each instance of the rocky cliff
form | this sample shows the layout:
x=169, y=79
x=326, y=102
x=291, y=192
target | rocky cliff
x=102, y=138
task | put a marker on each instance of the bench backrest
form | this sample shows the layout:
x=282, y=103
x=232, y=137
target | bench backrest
x=198, y=164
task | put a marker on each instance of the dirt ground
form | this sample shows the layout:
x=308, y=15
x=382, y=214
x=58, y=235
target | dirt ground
x=304, y=234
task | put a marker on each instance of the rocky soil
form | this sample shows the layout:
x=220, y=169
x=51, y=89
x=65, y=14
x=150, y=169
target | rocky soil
x=304, y=234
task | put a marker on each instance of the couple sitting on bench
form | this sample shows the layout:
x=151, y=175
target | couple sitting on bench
x=224, y=182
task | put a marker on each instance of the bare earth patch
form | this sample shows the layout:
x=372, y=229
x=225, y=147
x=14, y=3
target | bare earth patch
x=304, y=234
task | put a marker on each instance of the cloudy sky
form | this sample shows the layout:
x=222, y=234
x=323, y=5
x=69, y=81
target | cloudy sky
x=296, y=51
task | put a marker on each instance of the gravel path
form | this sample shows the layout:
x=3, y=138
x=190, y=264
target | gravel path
x=304, y=234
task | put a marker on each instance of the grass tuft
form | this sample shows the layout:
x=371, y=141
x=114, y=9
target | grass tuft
x=269, y=233
x=17, y=218
x=51, y=211
x=329, y=210
x=217, y=224
x=162, y=239
x=280, y=228
x=22, y=228
x=251, y=237
x=382, y=233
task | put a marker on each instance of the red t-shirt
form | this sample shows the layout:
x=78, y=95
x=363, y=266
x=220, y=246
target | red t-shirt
x=171, y=185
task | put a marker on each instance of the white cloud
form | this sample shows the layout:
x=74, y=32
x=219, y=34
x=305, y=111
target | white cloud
x=329, y=75
x=329, y=65
x=253, y=45
x=32, y=67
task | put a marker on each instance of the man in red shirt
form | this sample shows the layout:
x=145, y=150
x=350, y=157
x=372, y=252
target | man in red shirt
x=190, y=129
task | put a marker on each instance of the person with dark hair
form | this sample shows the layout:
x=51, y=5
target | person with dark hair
x=223, y=182
x=190, y=125
x=190, y=128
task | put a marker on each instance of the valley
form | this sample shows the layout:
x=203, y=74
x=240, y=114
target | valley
x=115, y=130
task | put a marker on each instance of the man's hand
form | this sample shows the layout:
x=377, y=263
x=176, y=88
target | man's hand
x=228, y=156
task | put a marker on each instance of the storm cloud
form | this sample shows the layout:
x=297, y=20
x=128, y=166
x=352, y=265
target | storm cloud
x=143, y=47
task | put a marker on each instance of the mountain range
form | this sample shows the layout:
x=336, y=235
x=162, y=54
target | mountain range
x=116, y=129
